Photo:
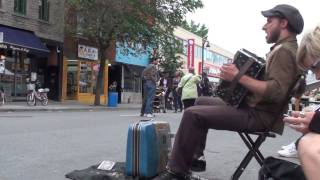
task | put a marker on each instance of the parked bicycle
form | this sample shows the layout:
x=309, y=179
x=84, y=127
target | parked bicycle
x=36, y=95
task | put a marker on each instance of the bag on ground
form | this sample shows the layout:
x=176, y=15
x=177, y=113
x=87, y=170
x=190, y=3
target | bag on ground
x=279, y=169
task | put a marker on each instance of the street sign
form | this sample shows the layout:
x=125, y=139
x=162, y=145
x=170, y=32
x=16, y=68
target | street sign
x=1, y=37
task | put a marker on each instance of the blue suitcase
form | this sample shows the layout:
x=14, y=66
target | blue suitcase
x=148, y=147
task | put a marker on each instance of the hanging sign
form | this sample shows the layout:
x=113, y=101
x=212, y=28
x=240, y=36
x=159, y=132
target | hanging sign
x=87, y=52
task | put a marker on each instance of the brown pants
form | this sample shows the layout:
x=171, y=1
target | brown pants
x=209, y=113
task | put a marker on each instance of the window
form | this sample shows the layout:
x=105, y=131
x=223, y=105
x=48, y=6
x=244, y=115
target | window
x=80, y=22
x=20, y=6
x=44, y=7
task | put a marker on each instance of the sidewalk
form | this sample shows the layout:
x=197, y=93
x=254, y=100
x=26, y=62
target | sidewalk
x=62, y=106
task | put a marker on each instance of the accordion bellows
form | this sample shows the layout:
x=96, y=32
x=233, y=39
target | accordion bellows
x=250, y=64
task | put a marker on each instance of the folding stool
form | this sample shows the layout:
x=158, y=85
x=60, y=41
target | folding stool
x=253, y=146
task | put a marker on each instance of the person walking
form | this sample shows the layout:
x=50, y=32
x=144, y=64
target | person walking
x=261, y=110
x=206, y=88
x=188, y=84
x=176, y=97
x=150, y=77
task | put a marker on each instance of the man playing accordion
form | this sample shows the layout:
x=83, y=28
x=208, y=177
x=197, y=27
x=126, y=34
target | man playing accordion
x=263, y=107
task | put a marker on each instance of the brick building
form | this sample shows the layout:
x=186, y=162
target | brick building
x=31, y=39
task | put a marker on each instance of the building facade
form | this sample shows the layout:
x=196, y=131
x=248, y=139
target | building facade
x=213, y=56
x=31, y=40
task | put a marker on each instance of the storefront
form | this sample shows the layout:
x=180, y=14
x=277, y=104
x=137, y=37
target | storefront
x=24, y=53
x=212, y=71
x=80, y=76
x=132, y=65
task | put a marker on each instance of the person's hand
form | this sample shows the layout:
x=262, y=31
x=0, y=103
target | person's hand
x=228, y=72
x=299, y=121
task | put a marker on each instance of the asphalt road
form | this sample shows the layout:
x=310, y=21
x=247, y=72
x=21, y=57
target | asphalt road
x=47, y=145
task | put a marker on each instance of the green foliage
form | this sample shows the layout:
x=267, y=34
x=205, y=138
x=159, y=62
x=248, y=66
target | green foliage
x=200, y=30
x=170, y=62
x=149, y=23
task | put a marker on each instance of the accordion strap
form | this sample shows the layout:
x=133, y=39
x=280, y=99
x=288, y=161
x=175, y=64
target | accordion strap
x=236, y=79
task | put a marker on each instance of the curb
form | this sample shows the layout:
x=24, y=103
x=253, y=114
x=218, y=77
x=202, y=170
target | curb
x=67, y=109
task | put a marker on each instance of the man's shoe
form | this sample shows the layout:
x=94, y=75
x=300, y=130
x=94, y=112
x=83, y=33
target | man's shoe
x=168, y=175
x=293, y=144
x=199, y=165
x=290, y=152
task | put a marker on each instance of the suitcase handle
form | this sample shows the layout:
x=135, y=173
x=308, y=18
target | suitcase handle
x=146, y=120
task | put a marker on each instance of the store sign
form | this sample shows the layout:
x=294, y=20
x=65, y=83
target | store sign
x=11, y=47
x=211, y=69
x=87, y=52
x=126, y=55
x=190, y=53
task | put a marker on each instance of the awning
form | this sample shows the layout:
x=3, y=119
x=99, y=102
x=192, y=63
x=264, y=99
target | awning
x=21, y=40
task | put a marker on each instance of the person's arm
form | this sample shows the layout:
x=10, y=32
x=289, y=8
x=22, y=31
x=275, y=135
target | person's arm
x=182, y=81
x=300, y=121
x=253, y=85
x=230, y=71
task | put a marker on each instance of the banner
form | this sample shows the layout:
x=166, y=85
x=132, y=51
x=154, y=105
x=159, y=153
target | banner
x=190, y=53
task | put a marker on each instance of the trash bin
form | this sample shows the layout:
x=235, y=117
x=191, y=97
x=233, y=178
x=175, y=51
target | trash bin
x=113, y=99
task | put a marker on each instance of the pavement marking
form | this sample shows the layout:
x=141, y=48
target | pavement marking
x=129, y=115
x=15, y=116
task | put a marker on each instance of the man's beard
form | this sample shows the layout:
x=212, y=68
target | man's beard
x=274, y=36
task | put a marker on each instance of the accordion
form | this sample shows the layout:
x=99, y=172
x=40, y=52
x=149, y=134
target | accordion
x=248, y=64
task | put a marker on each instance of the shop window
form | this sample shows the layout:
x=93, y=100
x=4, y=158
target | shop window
x=72, y=82
x=85, y=81
x=20, y=6
x=80, y=22
x=44, y=9
x=88, y=77
x=132, y=80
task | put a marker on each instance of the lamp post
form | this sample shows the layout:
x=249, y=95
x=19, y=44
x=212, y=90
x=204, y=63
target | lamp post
x=206, y=43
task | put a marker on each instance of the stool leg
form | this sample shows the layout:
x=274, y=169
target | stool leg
x=253, y=147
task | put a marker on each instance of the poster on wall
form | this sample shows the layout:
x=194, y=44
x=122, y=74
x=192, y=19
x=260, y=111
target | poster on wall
x=87, y=52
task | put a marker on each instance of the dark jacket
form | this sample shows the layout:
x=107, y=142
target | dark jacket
x=314, y=125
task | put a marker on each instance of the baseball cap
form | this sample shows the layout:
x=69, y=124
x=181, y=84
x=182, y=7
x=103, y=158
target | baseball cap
x=288, y=12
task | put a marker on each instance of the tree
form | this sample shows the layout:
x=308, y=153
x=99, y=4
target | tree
x=149, y=23
x=169, y=61
x=200, y=30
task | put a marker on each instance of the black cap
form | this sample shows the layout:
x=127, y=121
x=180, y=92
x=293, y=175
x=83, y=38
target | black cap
x=288, y=12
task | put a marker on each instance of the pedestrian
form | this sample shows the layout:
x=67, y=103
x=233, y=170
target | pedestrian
x=143, y=95
x=261, y=110
x=206, y=88
x=168, y=92
x=188, y=84
x=308, y=123
x=150, y=77
x=176, y=97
